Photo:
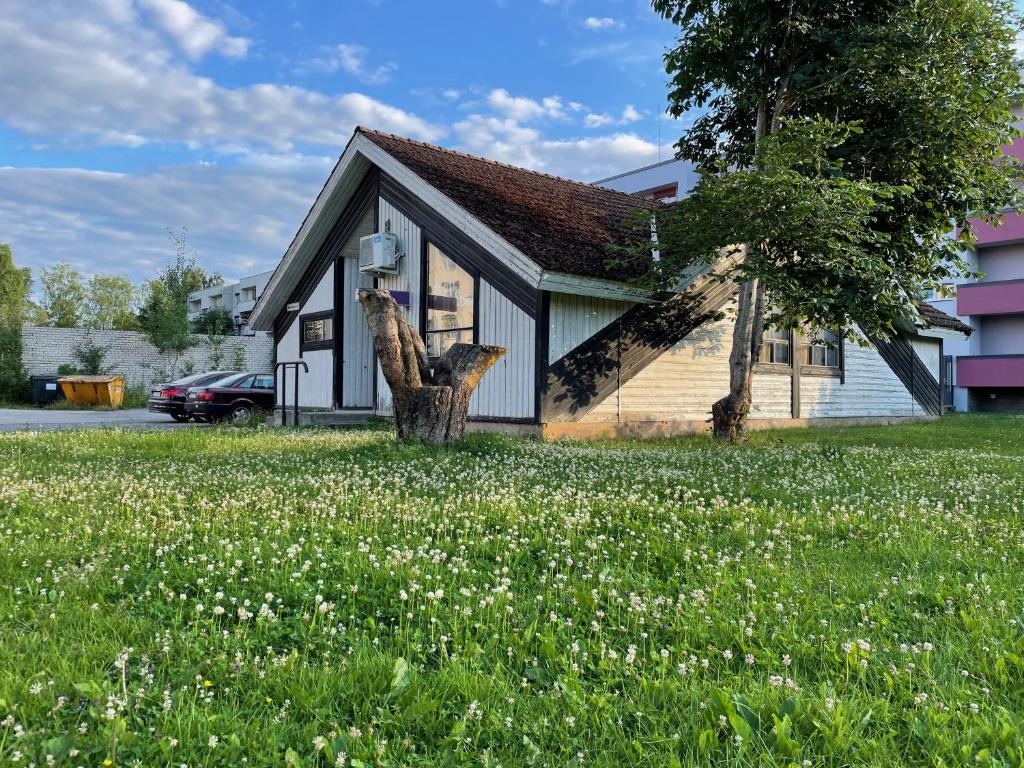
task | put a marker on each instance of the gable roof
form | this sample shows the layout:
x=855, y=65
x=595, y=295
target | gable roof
x=936, y=318
x=562, y=225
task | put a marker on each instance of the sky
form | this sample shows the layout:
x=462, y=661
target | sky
x=121, y=119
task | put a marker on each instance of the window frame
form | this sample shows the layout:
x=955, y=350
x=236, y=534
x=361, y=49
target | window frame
x=322, y=344
x=763, y=366
x=808, y=368
x=473, y=273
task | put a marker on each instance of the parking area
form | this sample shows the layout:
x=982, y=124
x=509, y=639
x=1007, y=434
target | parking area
x=15, y=419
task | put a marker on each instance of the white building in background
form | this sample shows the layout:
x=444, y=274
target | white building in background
x=237, y=298
x=666, y=181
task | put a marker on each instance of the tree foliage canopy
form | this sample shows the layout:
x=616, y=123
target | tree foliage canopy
x=843, y=143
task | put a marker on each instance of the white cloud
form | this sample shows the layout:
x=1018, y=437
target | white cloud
x=91, y=72
x=239, y=219
x=522, y=108
x=351, y=58
x=194, y=33
x=578, y=158
x=601, y=23
x=629, y=115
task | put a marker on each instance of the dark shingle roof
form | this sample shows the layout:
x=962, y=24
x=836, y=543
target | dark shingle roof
x=562, y=225
x=936, y=318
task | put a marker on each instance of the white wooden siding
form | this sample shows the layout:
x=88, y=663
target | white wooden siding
x=928, y=350
x=316, y=387
x=507, y=390
x=357, y=346
x=574, y=319
x=407, y=279
x=687, y=379
x=870, y=389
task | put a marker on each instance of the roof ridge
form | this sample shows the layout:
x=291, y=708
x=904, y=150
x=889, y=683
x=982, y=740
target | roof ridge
x=458, y=153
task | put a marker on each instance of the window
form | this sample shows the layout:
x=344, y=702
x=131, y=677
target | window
x=249, y=294
x=317, y=331
x=823, y=349
x=450, y=301
x=775, y=346
x=665, y=194
x=264, y=381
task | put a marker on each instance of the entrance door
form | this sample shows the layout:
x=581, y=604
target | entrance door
x=357, y=360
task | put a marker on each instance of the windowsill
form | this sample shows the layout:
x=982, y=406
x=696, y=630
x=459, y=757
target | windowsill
x=317, y=346
x=821, y=370
x=781, y=369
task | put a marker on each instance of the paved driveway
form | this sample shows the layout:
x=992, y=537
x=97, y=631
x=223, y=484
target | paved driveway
x=12, y=419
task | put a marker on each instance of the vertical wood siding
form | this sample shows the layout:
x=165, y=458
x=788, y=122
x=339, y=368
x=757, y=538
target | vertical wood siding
x=507, y=390
x=357, y=347
x=928, y=350
x=574, y=319
x=407, y=279
x=316, y=387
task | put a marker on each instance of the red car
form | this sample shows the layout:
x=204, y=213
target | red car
x=236, y=398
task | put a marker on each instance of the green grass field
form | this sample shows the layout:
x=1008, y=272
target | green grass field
x=232, y=597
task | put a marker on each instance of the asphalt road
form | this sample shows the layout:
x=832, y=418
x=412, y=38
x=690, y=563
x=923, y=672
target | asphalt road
x=13, y=419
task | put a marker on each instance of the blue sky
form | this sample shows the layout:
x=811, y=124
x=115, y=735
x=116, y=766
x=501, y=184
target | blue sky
x=123, y=118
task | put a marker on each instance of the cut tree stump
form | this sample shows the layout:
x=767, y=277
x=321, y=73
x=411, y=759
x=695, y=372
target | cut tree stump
x=430, y=406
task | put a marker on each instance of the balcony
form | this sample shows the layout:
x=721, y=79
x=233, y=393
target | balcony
x=1011, y=230
x=990, y=371
x=998, y=297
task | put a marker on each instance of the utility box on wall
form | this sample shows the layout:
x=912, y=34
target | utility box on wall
x=379, y=253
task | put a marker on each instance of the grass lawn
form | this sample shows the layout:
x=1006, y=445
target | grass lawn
x=267, y=598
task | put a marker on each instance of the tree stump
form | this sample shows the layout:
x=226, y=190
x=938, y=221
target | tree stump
x=430, y=406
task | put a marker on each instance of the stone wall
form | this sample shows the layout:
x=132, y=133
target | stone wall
x=130, y=354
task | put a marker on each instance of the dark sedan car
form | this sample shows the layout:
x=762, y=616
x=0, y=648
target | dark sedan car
x=236, y=398
x=170, y=398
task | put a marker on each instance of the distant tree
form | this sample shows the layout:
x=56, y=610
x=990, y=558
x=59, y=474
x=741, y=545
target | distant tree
x=15, y=284
x=63, y=295
x=111, y=303
x=214, y=322
x=164, y=313
x=841, y=141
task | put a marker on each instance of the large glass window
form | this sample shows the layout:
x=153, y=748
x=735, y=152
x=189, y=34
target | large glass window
x=775, y=346
x=450, y=300
x=823, y=349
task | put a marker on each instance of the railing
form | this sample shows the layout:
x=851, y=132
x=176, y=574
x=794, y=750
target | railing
x=283, y=367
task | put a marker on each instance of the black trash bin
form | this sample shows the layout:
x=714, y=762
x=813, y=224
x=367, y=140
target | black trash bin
x=45, y=389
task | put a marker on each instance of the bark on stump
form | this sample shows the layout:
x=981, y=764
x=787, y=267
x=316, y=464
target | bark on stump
x=429, y=405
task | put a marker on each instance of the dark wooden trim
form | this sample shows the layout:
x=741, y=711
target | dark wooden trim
x=542, y=339
x=339, y=332
x=773, y=369
x=900, y=355
x=502, y=419
x=460, y=247
x=316, y=346
x=345, y=226
x=821, y=370
x=588, y=374
x=796, y=347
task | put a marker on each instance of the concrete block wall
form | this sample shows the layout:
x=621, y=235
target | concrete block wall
x=130, y=354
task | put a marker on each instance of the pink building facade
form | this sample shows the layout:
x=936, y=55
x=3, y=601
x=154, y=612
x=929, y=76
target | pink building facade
x=988, y=368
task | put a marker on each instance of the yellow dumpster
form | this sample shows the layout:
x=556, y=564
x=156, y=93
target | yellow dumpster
x=106, y=391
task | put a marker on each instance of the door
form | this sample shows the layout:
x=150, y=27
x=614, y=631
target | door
x=357, y=359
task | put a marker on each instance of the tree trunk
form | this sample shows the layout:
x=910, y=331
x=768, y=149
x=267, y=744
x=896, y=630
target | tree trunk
x=430, y=406
x=729, y=415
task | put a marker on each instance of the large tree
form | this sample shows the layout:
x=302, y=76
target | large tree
x=15, y=284
x=63, y=295
x=841, y=142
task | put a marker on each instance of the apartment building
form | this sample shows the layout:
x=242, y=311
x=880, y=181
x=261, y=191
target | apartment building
x=237, y=298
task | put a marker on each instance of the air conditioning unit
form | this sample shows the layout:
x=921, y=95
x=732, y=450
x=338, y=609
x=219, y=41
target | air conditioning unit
x=379, y=253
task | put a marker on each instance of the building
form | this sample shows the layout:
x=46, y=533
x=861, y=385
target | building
x=986, y=370
x=238, y=299
x=666, y=181
x=495, y=254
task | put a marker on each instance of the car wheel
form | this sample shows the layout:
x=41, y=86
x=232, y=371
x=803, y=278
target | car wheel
x=241, y=413
x=179, y=417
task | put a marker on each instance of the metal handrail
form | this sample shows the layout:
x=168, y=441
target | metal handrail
x=295, y=401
